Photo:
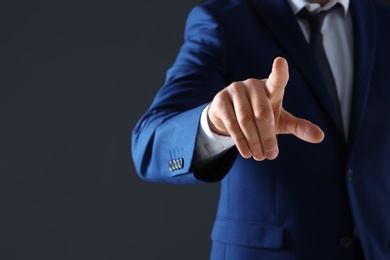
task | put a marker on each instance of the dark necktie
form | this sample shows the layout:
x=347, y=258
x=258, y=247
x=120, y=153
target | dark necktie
x=316, y=43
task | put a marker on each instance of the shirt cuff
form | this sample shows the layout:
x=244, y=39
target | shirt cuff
x=210, y=144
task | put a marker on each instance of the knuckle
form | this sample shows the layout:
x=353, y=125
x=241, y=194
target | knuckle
x=221, y=102
x=245, y=119
x=255, y=145
x=264, y=114
x=268, y=142
x=221, y=97
x=252, y=82
x=241, y=140
x=231, y=124
x=235, y=87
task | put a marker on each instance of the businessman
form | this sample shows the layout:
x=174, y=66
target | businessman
x=300, y=144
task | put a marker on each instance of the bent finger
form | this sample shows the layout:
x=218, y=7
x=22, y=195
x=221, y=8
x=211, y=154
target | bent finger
x=243, y=126
x=265, y=123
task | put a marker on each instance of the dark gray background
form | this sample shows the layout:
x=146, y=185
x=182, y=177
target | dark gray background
x=75, y=76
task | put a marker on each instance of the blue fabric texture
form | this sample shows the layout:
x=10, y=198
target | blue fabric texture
x=302, y=204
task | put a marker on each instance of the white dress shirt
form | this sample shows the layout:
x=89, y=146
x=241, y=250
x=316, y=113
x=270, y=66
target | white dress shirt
x=338, y=45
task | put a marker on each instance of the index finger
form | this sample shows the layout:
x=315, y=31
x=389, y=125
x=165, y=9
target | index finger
x=277, y=80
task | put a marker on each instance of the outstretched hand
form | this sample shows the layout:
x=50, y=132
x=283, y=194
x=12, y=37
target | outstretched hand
x=251, y=112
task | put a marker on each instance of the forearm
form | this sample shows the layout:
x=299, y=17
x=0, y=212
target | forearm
x=161, y=137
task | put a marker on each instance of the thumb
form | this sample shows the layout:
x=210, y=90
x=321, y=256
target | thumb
x=301, y=128
x=277, y=80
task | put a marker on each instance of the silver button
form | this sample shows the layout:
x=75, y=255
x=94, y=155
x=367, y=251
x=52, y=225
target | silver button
x=170, y=163
x=181, y=163
x=346, y=241
x=176, y=164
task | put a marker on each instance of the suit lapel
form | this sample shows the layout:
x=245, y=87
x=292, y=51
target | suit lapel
x=278, y=16
x=364, y=39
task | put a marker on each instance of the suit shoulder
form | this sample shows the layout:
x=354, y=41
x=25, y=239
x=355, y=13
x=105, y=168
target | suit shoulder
x=224, y=6
x=221, y=11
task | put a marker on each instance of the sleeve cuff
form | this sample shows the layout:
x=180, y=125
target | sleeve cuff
x=210, y=144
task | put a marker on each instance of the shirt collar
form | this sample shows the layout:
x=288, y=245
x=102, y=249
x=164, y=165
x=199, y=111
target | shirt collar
x=297, y=5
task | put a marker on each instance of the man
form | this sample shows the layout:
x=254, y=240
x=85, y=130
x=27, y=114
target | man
x=222, y=117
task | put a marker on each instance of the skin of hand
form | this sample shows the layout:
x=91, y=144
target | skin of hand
x=251, y=112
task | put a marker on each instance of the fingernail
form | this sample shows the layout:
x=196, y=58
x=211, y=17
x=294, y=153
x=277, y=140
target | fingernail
x=258, y=157
x=270, y=155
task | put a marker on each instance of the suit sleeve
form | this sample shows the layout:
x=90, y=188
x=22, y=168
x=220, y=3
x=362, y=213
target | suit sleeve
x=163, y=141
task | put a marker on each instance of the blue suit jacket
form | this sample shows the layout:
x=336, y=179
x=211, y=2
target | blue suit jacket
x=306, y=203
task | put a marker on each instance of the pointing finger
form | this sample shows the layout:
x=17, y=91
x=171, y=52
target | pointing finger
x=277, y=80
